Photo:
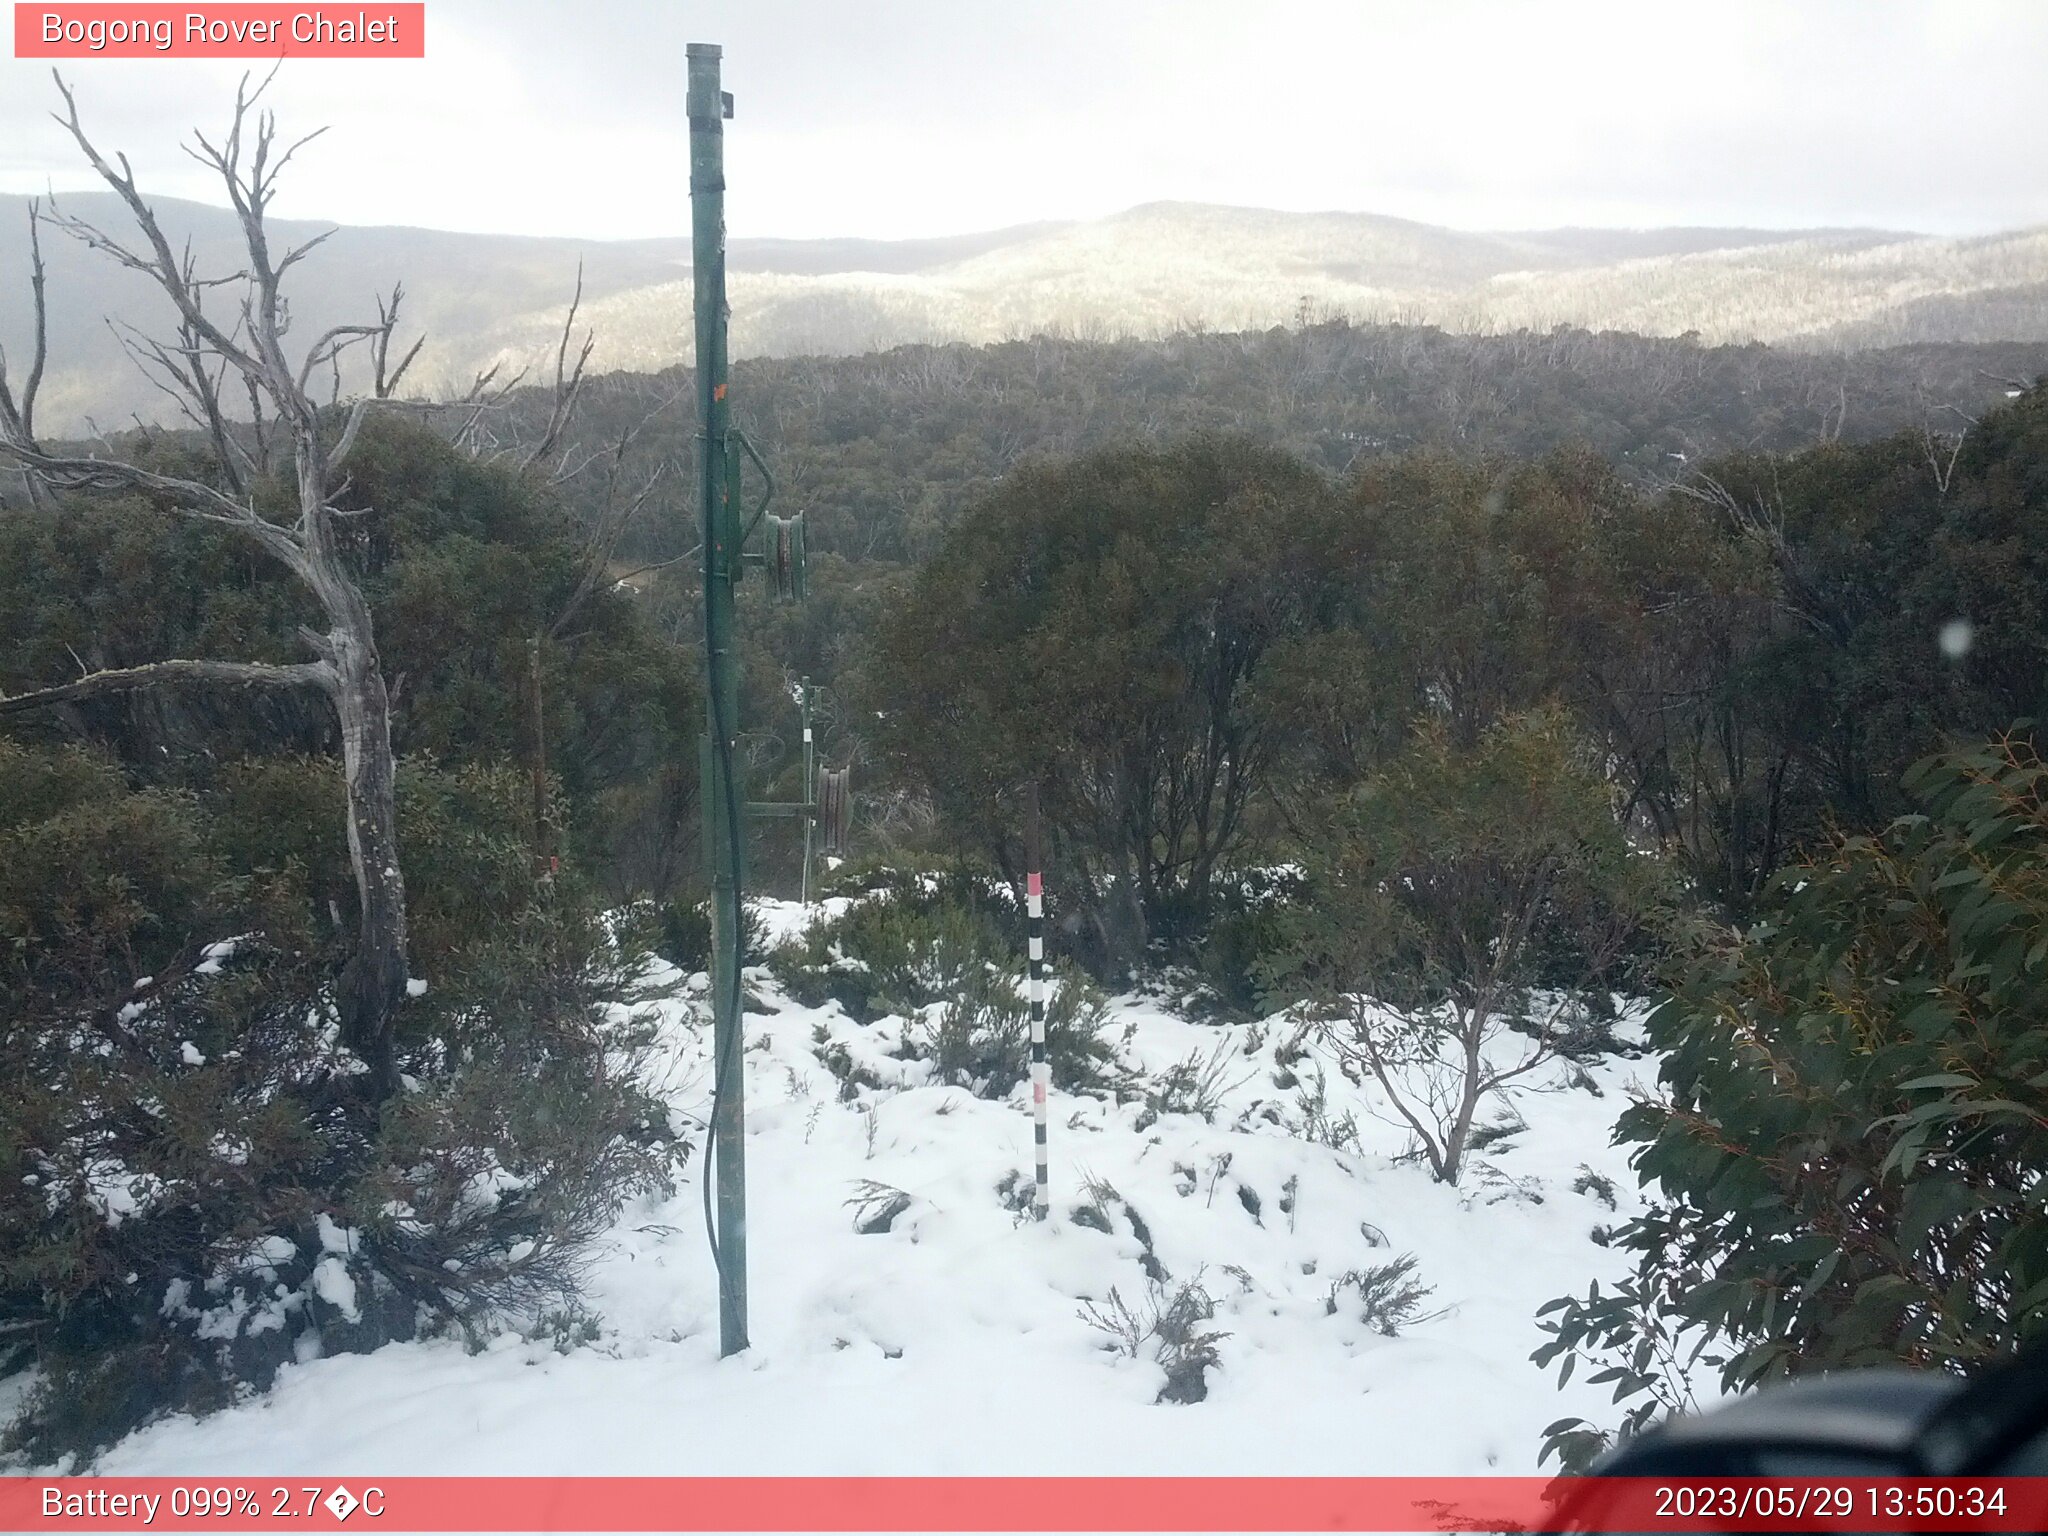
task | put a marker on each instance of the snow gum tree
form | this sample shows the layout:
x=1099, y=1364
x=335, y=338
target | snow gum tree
x=1103, y=625
x=1459, y=905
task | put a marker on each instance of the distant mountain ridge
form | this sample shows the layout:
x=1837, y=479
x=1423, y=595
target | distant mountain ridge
x=818, y=257
x=1151, y=270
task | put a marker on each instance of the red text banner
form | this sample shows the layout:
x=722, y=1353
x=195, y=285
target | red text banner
x=255, y=31
x=975, y=1504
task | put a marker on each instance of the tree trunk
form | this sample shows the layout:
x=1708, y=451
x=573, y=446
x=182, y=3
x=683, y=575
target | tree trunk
x=373, y=981
x=1128, y=926
x=1471, y=1037
x=1459, y=1134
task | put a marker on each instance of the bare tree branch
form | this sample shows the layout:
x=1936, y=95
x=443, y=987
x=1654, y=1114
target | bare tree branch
x=483, y=396
x=332, y=343
x=21, y=417
x=384, y=378
x=188, y=498
x=308, y=674
x=161, y=265
x=300, y=252
x=598, y=552
x=346, y=441
x=37, y=282
x=180, y=373
x=568, y=384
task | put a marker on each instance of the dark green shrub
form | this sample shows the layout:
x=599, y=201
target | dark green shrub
x=1174, y=1324
x=684, y=938
x=928, y=883
x=954, y=972
x=884, y=956
x=1389, y=1296
x=1853, y=1117
x=194, y=1184
x=465, y=831
x=979, y=1037
x=1244, y=937
x=1102, y=623
x=1198, y=1083
x=682, y=935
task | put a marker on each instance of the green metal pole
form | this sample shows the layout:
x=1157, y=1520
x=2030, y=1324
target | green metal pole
x=810, y=792
x=724, y=801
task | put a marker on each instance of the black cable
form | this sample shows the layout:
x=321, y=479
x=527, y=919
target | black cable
x=721, y=1075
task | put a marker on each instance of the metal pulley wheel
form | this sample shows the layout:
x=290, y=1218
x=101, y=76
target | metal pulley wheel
x=835, y=808
x=786, y=557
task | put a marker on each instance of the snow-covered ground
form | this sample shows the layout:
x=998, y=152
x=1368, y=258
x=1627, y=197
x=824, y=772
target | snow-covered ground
x=953, y=1341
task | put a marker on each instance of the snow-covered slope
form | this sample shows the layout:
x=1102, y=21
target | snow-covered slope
x=953, y=1341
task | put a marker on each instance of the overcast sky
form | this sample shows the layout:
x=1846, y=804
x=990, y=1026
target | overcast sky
x=911, y=117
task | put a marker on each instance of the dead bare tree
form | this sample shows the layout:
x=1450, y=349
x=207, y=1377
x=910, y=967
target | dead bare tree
x=618, y=504
x=210, y=353
x=1942, y=449
x=18, y=418
x=567, y=393
x=1759, y=519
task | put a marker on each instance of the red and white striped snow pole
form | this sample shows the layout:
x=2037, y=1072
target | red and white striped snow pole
x=1041, y=1069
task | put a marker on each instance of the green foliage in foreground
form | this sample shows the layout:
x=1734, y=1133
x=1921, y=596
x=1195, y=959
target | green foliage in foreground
x=1854, y=1116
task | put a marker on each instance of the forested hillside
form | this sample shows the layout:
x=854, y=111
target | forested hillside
x=1147, y=274
x=883, y=451
x=1807, y=508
